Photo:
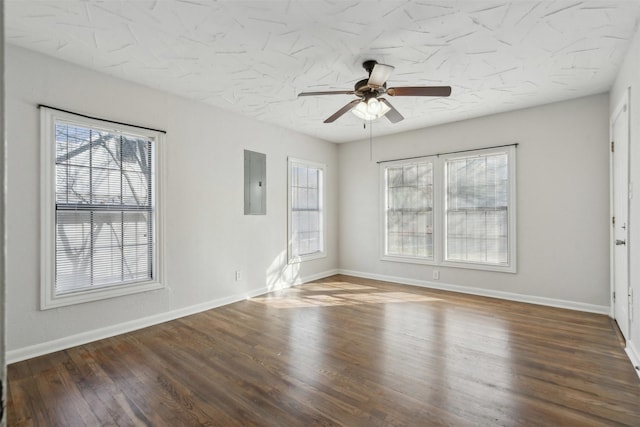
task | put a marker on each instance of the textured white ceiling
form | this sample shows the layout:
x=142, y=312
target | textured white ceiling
x=254, y=57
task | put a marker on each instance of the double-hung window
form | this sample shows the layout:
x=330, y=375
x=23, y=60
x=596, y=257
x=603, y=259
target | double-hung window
x=306, y=234
x=100, y=211
x=477, y=206
x=409, y=209
x=452, y=209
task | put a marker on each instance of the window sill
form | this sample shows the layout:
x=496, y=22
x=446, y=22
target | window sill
x=408, y=259
x=477, y=266
x=452, y=264
x=49, y=300
x=310, y=257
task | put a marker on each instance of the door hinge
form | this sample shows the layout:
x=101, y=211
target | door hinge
x=613, y=220
x=612, y=146
x=614, y=296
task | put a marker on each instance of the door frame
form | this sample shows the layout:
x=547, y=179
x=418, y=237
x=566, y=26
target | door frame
x=622, y=106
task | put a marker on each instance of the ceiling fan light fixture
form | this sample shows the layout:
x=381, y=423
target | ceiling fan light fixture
x=370, y=109
x=368, y=106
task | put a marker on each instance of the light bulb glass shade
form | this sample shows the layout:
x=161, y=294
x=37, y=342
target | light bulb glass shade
x=371, y=109
x=379, y=75
x=373, y=106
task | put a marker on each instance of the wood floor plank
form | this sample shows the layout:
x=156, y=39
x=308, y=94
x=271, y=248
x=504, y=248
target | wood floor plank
x=341, y=351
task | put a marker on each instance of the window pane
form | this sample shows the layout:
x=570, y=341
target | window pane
x=301, y=176
x=137, y=247
x=313, y=178
x=135, y=188
x=300, y=222
x=314, y=242
x=408, y=244
x=312, y=198
x=410, y=175
x=73, y=250
x=394, y=177
x=302, y=198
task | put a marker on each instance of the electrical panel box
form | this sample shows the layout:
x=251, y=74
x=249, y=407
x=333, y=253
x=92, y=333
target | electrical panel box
x=255, y=183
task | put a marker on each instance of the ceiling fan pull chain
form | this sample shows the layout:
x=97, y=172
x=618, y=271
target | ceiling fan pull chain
x=370, y=141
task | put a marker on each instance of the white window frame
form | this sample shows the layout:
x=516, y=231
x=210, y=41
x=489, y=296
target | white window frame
x=510, y=267
x=48, y=297
x=439, y=217
x=291, y=162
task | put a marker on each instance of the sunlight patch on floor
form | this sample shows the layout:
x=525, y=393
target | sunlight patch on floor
x=342, y=298
x=335, y=286
x=386, y=297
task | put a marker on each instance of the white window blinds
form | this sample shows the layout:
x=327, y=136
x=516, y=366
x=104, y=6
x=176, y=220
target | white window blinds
x=409, y=209
x=104, y=208
x=477, y=209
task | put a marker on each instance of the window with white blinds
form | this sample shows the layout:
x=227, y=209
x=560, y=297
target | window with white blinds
x=101, y=212
x=452, y=209
x=408, y=209
x=477, y=209
x=306, y=210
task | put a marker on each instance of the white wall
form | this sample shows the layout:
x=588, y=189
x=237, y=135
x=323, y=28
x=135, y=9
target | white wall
x=207, y=236
x=629, y=76
x=563, y=202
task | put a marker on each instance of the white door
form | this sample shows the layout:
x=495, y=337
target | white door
x=620, y=221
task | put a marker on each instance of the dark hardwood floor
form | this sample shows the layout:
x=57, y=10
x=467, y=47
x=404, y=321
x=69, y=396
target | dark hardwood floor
x=341, y=351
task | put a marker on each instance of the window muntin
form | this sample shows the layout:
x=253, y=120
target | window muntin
x=100, y=212
x=408, y=210
x=306, y=210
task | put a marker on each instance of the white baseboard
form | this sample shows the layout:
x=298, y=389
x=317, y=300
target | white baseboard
x=36, y=350
x=571, y=305
x=634, y=356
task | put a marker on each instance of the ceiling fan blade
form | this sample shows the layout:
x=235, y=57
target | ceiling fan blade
x=343, y=110
x=393, y=115
x=419, y=91
x=379, y=75
x=331, y=92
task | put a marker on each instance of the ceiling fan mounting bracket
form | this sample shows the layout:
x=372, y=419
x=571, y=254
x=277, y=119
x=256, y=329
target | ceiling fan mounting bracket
x=369, y=64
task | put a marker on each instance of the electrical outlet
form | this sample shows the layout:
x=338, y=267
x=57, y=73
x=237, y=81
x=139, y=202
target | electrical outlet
x=436, y=274
x=238, y=276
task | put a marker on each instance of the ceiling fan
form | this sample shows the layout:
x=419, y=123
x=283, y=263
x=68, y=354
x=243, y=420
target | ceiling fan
x=370, y=106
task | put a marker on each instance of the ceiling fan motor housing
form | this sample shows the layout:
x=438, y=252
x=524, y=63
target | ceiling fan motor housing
x=363, y=90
